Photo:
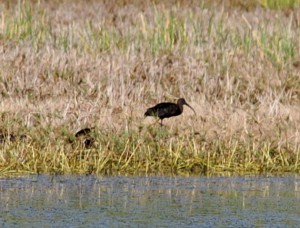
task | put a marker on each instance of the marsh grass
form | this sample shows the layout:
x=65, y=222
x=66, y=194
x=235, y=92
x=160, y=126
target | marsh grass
x=279, y=4
x=161, y=154
x=70, y=65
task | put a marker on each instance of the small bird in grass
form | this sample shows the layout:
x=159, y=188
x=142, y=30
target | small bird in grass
x=85, y=137
x=82, y=132
x=167, y=109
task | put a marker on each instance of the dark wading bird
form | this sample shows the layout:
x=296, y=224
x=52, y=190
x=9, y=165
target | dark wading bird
x=167, y=109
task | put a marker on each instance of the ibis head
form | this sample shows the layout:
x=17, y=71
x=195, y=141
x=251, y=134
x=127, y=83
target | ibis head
x=181, y=102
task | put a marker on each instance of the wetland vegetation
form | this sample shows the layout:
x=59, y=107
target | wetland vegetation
x=69, y=65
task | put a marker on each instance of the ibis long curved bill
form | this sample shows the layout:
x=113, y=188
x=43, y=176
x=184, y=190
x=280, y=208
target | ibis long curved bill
x=188, y=105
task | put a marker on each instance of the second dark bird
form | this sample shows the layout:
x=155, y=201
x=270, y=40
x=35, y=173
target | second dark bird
x=85, y=137
x=167, y=109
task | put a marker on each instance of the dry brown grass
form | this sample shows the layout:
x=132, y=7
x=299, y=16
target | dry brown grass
x=74, y=64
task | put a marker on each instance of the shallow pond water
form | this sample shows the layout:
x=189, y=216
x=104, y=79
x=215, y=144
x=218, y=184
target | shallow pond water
x=93, y=201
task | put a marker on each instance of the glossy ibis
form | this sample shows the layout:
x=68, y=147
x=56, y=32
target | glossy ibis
x=167, y=109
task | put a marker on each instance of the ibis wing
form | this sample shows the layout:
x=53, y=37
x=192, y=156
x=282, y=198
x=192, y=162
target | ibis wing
x=163, y=110
x=151, y=111
x=166, y=110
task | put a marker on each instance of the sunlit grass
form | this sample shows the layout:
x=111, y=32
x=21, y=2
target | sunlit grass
x=142, y=154
x=279, y=4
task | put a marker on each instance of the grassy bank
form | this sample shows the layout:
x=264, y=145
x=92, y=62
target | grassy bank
x=68, y=65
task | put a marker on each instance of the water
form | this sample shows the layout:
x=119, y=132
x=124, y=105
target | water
x=91, y=201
